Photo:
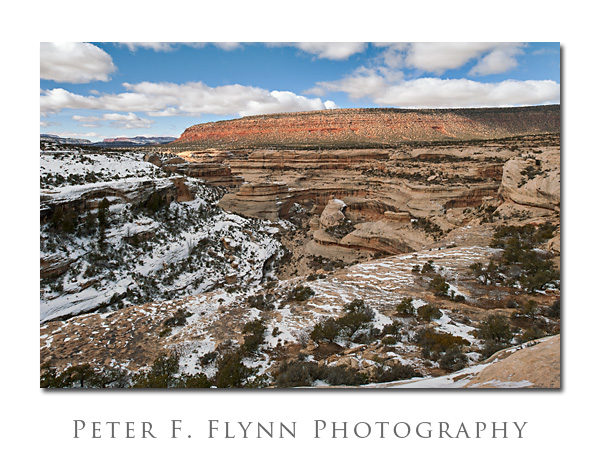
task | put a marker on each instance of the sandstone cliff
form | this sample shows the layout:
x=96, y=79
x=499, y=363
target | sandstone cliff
x=371, y=127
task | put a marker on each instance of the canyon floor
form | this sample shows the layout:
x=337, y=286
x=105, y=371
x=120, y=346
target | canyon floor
x=432, y=264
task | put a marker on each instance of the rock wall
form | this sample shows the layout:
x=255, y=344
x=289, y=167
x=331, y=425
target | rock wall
x=82, y=198
x=532, y=182
x=371, y=127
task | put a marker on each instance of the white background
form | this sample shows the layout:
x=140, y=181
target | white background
x=37, y=426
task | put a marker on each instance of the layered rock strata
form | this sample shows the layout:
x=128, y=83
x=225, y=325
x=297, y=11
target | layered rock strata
x=372, y=127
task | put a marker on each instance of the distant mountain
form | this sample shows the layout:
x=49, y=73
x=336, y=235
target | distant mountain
x=111, y=142
x=136, y=141
x=61, y=140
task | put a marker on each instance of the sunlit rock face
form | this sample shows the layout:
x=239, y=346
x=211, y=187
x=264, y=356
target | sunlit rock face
x=369, y=127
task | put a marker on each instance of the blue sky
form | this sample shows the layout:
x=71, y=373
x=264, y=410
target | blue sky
x=105, y=90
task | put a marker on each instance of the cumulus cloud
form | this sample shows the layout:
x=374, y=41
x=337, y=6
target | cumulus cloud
x=328, y=50
x=117, y=120
x=499, y=60
x=363, y=82
x=332, y=50
x=74, y=62
x=192, y=99
x=439, y=57
x=440, y=93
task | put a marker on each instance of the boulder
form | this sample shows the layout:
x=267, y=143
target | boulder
x=333, y=214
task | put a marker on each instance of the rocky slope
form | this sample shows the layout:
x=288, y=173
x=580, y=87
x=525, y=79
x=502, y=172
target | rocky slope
x=135, y=234
x=371, y=127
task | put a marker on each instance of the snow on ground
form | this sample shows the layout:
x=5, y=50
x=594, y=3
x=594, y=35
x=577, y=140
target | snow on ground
x=172, y=263
x=59, y=168
x=446, y=324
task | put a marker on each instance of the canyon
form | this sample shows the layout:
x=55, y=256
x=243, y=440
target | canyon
x=362, y=206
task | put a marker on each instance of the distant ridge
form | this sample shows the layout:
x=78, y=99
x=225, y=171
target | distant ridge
x=61, y=140
x=111, y=142
x=138, y=140
x=372, y=127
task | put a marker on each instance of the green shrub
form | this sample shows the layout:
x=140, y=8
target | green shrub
x=292, y=374
x=405, y=307
x=264, y=302
x=491, y=347
x=553, y=311
x=358, y=315
x=392, y=328
x=326, y=330
x=231, y=372
x=438, y=342
x=497, y=334
x=208, y=357
x=529, y=310
x=84, y=375
x=341, y=375
x=254, y=335
x=393, y=372
x=453, y=359
x=428, y=267
x=495, y=328
x=160, y=375
x=531, y=334
x=439, y=285
x=366, y=334
x=389, y=340
x=193, y=381
x=300, y=294
x=428, y=312
x=519, y=261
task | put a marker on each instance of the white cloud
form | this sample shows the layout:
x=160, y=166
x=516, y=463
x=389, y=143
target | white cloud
x=126, y=121
x=332, y=50
x=442, y=93
x=74, y=62
x=284, y=101
x=499, y=60
x=228, y=45
x=329, y=50
x=193, y=99
x=363, y=82
x=172, y=46
x=391, y=90
x=439, y=57
x=156, y=46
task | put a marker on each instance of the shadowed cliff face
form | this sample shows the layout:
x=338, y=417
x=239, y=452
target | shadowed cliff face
x=344, y=128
